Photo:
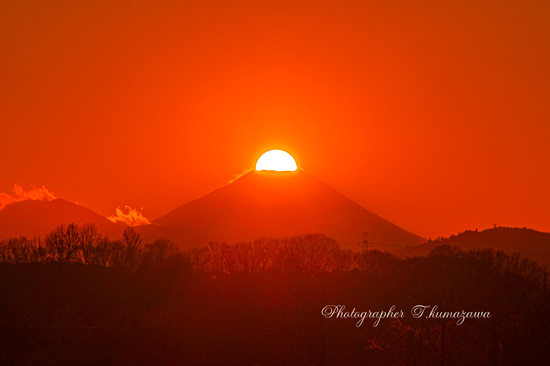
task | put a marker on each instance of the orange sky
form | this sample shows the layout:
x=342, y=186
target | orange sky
x=432, y=115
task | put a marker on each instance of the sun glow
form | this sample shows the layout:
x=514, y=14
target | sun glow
x=277, y=160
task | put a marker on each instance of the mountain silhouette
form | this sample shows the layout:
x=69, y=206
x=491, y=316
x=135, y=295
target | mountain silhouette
x=277, y=204
x=30, y=218
x=527, y=242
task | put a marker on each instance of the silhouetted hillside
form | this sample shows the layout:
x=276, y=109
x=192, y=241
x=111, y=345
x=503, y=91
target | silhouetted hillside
x=30, y=218
x=280, y=204
x=527, y=242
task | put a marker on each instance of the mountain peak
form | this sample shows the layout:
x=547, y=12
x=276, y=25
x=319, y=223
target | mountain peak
x=277, y=204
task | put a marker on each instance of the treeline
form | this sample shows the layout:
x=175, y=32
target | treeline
x=84, y=244
x=303, y=253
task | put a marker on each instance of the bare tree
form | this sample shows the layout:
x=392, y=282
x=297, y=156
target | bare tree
x=103, y=251
x=158, y=254
x=62, y=243
x=36, y=251
x=221, y=257
x=116, y=254
x=255, y=256
x=199, y=258
x=17, y=249
x=89, y=241
x=131, y=240
x=305, y=253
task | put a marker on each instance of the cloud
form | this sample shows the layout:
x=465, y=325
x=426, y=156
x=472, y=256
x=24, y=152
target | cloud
x=134, y=217
x=20, y=194
x=127, y=215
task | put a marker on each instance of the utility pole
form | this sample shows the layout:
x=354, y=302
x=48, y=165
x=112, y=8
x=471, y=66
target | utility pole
x=365, y=243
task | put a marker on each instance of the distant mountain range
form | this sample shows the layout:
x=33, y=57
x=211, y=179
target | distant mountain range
x=270, y=204
x=259, y=204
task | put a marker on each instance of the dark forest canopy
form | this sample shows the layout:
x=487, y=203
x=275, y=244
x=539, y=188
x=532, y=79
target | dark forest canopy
x=75, y=297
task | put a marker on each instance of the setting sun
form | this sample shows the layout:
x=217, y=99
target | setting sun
x=277, y=160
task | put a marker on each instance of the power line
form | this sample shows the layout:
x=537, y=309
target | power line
x=390, y=245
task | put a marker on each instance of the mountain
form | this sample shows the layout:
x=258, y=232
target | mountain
x=277, y=204
x=527, y=242
x=31, y=218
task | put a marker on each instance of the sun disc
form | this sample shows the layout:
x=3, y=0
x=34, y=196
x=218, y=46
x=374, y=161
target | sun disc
x=277, y=160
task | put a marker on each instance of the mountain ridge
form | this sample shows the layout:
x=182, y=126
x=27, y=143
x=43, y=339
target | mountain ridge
x=281, y=204
x=529, y=243
x=38, y=217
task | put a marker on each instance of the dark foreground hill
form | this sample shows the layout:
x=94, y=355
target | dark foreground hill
x=527, y=242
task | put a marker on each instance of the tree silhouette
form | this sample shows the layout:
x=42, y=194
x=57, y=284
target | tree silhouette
x=160, y=254
x=63, y=243
x=89, y=243
x=131, y=240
